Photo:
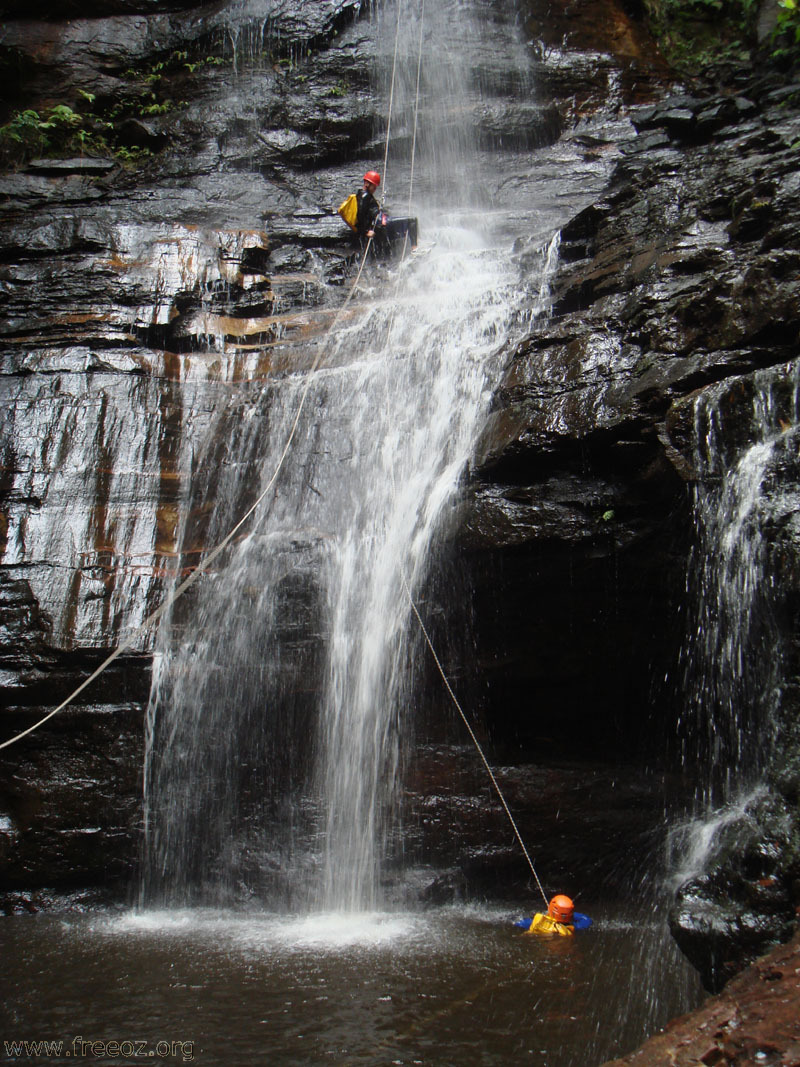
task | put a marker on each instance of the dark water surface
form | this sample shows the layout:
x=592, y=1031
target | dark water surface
x=455, y=986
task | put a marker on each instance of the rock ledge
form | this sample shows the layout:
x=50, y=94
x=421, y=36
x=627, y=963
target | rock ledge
x=755, y=1020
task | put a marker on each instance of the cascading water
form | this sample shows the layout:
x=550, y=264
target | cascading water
x=278, y=722
x=733, y=660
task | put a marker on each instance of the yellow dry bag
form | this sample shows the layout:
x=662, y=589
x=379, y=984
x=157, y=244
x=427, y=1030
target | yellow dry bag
x=348, y=209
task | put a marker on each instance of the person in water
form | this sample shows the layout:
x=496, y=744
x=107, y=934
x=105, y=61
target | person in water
x=372, y=222
x=561, y=919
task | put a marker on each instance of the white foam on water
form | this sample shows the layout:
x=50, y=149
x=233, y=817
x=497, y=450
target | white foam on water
x=245, y=931
x=333, y=930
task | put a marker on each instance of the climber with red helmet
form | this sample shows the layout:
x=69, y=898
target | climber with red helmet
x=369, y=210
x=561, y=919
x=363, y=214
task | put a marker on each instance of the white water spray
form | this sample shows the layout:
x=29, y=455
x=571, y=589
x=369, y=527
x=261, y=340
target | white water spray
x=279, y=719
x=733, y=662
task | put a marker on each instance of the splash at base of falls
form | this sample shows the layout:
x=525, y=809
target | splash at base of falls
x=452, y=985
x=325, y=931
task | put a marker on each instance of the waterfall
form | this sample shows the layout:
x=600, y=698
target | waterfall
x=733, y=659
x=283, y=694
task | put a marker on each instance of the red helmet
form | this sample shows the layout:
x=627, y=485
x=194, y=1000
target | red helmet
x=373, y=178
x=561, y=909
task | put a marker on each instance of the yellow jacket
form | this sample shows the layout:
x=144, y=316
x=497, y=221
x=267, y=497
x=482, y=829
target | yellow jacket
x=544, y=926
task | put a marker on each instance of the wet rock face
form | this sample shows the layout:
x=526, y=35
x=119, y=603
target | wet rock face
x=680, y=276
x=146, y=315
x=666, y=287
x=85, y=817
x=588, y=826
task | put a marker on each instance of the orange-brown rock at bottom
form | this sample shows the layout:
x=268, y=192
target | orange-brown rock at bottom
x=753, y=1022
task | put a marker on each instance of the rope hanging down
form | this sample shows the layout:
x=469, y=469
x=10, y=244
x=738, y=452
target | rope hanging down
x=205, y=563
x=475, y=741
x=416, y=104
x=391, y=94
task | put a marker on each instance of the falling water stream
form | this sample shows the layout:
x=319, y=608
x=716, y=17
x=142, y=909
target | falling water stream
x=733, y=659
x=388, y=424
x=391, y=419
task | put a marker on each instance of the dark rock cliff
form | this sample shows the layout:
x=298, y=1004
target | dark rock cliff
x=142, y=307
x=682, y=275
x=133, y=299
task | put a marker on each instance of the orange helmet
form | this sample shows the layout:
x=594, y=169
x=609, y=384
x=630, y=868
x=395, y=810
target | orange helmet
x=561, y=908
x=373, y=178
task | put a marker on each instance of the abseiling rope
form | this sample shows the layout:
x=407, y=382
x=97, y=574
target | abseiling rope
x=416, y=104
x=475, y=740
x=391, y=93
x=205, y=563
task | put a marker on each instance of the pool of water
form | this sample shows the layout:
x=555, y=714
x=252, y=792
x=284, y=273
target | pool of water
x=454, y=986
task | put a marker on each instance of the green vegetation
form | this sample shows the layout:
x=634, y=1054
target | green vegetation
x=60, y=132
x=94, y=127
x=699, y=35
x=174, y=64
x=787, y=32
x=28, y=133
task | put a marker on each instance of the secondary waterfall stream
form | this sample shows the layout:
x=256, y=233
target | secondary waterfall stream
x=733, y=658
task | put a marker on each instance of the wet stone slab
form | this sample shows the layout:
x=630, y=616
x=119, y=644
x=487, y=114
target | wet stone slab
x=755, y=1020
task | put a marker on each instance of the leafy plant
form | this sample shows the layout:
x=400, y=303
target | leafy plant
x=24, y=127
x=155, y=107
x=96, y=127
x=697, y=34
x=28, y=133
x=133, y=156
x=787, y=28
x=63, y=115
